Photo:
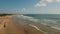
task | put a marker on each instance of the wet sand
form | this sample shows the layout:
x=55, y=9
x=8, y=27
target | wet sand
x=43, y=29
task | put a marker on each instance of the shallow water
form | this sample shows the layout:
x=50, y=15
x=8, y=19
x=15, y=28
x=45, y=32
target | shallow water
x=45, y=19
x=50, y=26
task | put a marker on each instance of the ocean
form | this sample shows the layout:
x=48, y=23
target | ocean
x=52, y=20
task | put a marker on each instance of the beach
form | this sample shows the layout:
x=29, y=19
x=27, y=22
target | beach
x=45, y=29
x=12, y=24
x=13, y=27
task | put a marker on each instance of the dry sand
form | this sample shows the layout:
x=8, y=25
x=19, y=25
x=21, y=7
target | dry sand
x=10, y=27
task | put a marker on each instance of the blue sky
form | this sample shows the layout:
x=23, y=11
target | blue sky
x=30, y=6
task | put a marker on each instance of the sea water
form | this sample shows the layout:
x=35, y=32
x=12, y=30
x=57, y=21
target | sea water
x=52, y=20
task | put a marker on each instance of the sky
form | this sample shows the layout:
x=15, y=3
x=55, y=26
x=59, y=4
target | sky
x=30, y=6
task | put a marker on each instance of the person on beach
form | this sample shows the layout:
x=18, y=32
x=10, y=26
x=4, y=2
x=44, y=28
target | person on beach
x=4, y=24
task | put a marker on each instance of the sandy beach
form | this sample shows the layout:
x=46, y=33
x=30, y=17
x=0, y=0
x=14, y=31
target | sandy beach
x=14, y=25
x=9, y=26
x=32, y=26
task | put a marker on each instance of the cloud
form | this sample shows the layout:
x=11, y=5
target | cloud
x=45, y=2
x=41, y=3
x=58, y=0
x=23, y=9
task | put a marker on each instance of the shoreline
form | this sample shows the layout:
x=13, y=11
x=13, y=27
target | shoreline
x=16, y=28
x=22, y=26
x=44, y=28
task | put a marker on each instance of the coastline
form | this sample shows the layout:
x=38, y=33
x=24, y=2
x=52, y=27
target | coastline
x=18, y=25
x=16, y=28
x=45, y=28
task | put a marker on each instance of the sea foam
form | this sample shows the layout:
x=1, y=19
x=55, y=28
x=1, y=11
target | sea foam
x=29, y=18
x=47, y=22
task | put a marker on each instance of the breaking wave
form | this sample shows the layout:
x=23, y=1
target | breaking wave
x=52, y=23
x=29, y=18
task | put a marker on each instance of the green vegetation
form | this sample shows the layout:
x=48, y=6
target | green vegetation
x=5, y=14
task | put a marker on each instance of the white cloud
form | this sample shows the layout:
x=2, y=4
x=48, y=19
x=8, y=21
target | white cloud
x=41, y=4
x=45, y=2
x=58, y=0
x=24, y=9
x=50, y=0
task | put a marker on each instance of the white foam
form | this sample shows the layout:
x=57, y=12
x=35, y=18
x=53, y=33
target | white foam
x=37, y=28
x=27, y=17
x=35, y=20
x=44, y=23
x=55, y=27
